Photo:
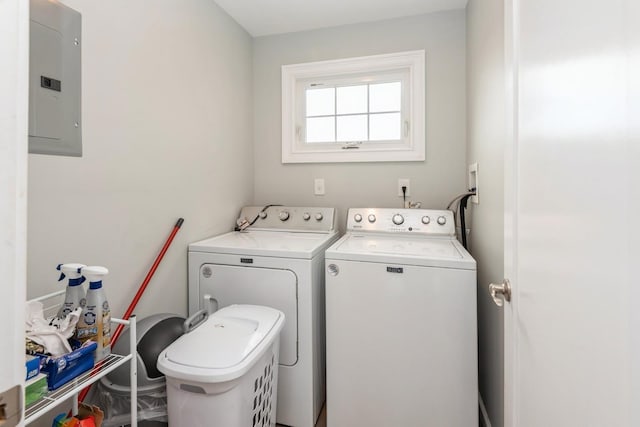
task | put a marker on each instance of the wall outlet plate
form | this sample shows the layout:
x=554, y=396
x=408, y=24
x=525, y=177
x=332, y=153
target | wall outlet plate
x=404, y=182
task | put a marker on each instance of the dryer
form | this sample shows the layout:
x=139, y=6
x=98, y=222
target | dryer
x=401, y=322
x=278, y=262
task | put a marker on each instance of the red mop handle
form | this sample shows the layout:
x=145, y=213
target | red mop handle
x=146, y=281
x=141, y=289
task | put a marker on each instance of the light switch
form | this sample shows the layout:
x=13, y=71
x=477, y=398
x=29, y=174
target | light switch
x=318, y=187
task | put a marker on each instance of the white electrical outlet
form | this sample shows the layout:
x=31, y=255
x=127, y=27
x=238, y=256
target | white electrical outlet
x=404, y=182
x=472, y=182
x=318, y=187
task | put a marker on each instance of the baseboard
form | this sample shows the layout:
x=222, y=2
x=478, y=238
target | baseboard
x=484, y=419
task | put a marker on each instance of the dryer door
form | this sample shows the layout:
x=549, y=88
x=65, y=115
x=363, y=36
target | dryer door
x=271, y=287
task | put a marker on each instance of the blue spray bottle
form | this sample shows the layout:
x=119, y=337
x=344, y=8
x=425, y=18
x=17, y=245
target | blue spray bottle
x=75, y=296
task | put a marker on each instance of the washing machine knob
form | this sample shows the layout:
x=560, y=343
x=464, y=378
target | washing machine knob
x=284, y=215
x=319, y=216
x=442, y=220
x=262, y=215
x=426, y=220
x=357, y=218
x=397, y=219
x=306, y=216
x=371, y=218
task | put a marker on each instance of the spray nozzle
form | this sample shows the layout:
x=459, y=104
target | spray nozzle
x=62, y=275
x=94, y=274
x=72, y=271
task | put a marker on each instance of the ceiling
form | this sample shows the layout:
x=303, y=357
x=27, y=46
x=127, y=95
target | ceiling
x=265, y=17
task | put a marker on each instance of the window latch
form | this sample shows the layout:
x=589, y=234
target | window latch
x=351, y=145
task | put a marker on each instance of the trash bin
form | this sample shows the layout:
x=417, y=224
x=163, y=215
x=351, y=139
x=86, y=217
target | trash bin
x=225, y=371
x=112, y=392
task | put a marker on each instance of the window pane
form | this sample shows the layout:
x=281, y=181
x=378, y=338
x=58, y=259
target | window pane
x=352, y=99
x=352, y=128
x=321, y=129
x=384, y=127
x=320, y=102
x=385, y=97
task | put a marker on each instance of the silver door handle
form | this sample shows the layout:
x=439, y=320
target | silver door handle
x=503, y=289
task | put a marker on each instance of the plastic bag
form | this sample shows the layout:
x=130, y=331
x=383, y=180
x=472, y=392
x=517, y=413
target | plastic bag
x=152, y=405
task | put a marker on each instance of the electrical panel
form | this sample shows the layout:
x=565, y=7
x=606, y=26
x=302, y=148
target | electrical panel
x=54, y=79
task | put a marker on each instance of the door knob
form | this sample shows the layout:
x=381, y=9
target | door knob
x=503, y=289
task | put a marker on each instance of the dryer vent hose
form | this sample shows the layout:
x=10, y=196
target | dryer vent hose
x=463, y=225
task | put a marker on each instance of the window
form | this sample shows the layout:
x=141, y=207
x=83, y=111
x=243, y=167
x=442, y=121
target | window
x=354, y=110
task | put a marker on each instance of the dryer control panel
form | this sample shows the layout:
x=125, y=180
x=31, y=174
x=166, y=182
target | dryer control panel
x=415, y=221
x=289, y=218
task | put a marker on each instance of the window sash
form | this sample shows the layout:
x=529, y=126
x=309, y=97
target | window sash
x=355, y=71
x=360, y=79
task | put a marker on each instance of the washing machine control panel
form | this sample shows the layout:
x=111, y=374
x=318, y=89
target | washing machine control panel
x=417, y=221
x=289, y=218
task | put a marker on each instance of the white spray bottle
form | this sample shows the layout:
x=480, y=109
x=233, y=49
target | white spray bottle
x=95, y=322
x=75, y=296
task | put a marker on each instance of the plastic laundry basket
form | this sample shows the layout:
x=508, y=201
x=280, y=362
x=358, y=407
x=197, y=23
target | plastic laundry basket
x=225, y=372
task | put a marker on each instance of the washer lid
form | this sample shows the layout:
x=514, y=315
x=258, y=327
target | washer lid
x=420, y=251
x=284, y=244
x=224, y=346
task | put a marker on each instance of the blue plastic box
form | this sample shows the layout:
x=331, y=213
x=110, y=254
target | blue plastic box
x=33, y=366
x=61, y=370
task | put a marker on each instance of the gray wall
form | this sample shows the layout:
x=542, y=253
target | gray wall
x=434, y=181
x=167, y=105
x=486, y=139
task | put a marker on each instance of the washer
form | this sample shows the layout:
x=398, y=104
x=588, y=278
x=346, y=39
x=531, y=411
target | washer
x=401, y=322
x=276, y=262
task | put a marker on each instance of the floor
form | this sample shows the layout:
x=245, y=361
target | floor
x=322, y=419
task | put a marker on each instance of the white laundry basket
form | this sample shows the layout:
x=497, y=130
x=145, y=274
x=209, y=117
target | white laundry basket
x=225, y=371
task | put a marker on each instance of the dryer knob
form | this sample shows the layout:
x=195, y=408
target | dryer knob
x=426, y=220
x=262, y=215
x=319, y=216
x=357, y=218
x=284, y=215
x=442, y=220
x=333, y=270
x=397, y=219
x=306, y=216
x=371, y=218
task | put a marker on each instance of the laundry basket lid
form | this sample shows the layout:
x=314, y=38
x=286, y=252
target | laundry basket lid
x=224, y=346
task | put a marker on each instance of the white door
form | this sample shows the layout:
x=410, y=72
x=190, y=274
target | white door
x=572, y=330
x=14, y=51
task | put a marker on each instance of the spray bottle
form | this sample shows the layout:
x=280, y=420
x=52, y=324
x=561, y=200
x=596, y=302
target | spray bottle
x=75, y=296
x=95, y=322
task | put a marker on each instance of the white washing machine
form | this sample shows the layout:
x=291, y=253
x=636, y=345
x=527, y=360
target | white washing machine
x=278, y=262
x=401, y=322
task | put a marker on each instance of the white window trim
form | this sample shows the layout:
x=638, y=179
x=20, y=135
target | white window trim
x=414, y=61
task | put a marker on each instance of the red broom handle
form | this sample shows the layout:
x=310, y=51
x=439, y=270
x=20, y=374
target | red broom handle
x=146, y=281
x=138, y=295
